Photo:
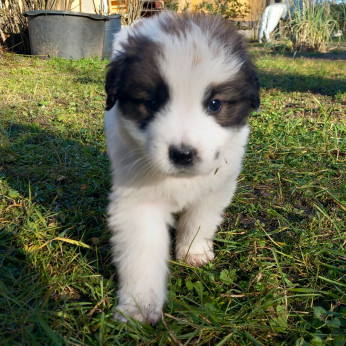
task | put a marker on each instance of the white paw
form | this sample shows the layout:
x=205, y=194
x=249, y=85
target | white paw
x=196, y=254
x=196, y=259
x=149, y=313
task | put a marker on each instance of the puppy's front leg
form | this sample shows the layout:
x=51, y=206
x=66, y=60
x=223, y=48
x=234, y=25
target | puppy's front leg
x=198, y=225
x=140, y=248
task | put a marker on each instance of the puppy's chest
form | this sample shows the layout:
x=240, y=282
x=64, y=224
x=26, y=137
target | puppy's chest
x=177, y=193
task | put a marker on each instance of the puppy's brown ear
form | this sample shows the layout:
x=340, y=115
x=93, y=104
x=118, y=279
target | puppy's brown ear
x=254, y=86
x=255, y=96
x=112, y=84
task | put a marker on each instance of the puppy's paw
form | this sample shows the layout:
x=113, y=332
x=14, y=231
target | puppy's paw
x=197, y=254
x=149, y=314
x=196, y=259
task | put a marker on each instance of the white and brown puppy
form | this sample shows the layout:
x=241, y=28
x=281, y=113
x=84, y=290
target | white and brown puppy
x=179, y=91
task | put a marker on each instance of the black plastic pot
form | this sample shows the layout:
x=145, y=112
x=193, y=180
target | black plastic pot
x=66, y=34
x=112, y=26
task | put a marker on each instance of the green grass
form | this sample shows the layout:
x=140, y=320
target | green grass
x=279, y=273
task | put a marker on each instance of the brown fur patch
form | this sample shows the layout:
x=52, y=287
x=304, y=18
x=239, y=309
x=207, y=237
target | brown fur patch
x=238, y=96
x=135, y=81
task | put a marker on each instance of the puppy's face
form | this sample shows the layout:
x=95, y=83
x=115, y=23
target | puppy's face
x=182, y=86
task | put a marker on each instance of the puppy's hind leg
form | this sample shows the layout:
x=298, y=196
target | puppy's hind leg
x=198, y=225
x=140, y=248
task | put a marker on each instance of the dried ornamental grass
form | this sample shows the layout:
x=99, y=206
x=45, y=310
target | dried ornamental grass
x=311, y=29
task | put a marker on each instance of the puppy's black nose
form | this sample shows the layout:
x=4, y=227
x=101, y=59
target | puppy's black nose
x=182, y=156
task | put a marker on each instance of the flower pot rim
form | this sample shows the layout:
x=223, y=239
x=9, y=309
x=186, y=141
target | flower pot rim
x=65, y=13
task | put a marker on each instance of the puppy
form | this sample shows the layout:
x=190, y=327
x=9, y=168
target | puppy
x=179, y=91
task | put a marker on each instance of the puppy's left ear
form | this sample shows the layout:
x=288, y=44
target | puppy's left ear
x=253, y=84
x=255, y=97
x=112, y=84
x=255, y=92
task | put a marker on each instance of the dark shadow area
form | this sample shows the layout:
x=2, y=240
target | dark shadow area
x=61, y=172
x=66, y=183
x=17, y=43
x=295, y=82
x=336, y=53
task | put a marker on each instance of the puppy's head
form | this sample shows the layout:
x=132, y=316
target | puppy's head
x=183, y=87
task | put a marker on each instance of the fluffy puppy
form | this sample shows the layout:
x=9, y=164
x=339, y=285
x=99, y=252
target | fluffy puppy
x=179, y=91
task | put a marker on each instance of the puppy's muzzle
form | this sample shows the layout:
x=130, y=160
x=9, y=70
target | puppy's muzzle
x=182, y=155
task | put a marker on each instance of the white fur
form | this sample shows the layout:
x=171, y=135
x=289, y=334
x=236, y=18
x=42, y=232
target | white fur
x=148, y=189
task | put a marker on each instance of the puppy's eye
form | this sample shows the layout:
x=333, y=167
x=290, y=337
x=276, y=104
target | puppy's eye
x=152, y=104
x=214, y=106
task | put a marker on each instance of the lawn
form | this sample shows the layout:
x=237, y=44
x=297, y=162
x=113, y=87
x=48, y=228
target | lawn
x=279, y=273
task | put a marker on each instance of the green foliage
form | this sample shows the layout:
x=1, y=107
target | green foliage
x=279, y=273
x=228, y=9
x=338, y=13
x=171, y=5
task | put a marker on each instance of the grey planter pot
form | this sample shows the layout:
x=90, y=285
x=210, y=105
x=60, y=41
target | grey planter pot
x=112, y=26
x=66, y=34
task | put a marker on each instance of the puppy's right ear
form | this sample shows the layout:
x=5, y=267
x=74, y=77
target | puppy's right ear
x=112, y=84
